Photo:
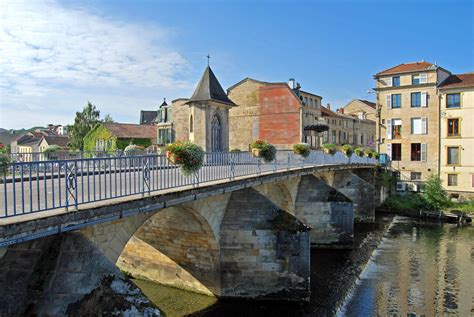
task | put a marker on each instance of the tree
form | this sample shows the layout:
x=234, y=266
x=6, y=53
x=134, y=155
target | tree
x=434, y=193
x=83, y=123
x=108, y=119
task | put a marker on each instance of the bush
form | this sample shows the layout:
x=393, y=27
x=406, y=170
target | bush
x=263, y=149
x=4, y=164
x=347, y=149
x=434, y=193
x=409, y=203
x=50, y=150
x=376, y=155
x=359, y=151
x=187, y=155
x=301, y=149
x=329, y=148
x=133, y=149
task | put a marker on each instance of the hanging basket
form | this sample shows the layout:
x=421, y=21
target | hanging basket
x=257, y=153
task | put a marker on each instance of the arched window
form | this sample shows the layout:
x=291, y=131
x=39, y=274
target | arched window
x=191, y=124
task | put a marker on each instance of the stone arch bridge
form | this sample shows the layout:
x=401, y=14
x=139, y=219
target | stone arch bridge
x=243, y=238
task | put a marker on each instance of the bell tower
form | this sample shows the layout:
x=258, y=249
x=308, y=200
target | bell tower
x=208, y=122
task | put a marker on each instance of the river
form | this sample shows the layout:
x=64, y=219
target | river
x=398, y=267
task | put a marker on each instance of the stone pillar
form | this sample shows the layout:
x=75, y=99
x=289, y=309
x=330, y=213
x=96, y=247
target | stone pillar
x=359, y=190
x=328, y=212
x=264, y=250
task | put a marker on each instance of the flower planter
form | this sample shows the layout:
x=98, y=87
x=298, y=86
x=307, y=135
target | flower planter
x=171, y=157
x=329, y=151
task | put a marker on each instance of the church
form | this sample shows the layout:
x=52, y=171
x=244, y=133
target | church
x=204, y=118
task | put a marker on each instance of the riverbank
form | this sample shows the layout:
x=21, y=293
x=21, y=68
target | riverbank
x=333, y=275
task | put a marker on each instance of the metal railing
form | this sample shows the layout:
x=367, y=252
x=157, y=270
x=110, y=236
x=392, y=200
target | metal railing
x=68, y=155
x=31, y=187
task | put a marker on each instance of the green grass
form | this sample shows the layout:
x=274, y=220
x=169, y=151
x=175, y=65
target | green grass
x=173, y=301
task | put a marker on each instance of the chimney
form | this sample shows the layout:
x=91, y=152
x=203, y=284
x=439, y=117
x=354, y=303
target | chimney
x=291, y=83
x=328, y=106
x=298, y=86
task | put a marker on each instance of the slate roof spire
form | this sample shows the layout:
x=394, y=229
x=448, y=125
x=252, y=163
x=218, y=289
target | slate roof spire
x=209, y=89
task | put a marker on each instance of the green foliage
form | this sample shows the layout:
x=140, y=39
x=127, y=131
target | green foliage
x=121, y=144
x=467, y=207
x=387, y=179
x=99, y=132
x=3, y=148
x=301, y=149
x=369, y=153
x=434, y=193
x=108, y=119
x=263, y=149
x=359, y=151
x=329, y=148
x=4, y=164
x=347, y=149
x=187, y=155
x=84, y=122
x=408, y=203
x=235, y=151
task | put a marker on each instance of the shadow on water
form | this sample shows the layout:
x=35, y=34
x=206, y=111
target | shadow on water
x=420, y=268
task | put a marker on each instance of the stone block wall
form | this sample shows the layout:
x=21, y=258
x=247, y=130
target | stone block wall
x=264, y=250
x=328, y=212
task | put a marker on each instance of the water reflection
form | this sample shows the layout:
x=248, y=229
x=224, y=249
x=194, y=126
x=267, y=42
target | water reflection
x=420, y=269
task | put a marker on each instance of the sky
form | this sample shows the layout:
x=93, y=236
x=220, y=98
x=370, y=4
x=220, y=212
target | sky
x=125, y=56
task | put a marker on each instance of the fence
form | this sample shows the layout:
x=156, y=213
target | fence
x=44, y=185
x=68, y=155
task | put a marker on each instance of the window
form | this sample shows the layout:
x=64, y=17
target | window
x=416, y=99
x=361, y=139
x=453, y=127
x=415, y=176
x=452, y=179
x=418, y=125
x=396, y=152
x=396, y=128
x=396, y=81
x=415, y=79
x=453, y=155
x=334, y=137
x=396, y=101
x=453, y=101
x=416, y=151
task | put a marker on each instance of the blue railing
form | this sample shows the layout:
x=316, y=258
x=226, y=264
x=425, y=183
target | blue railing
x=30, y=187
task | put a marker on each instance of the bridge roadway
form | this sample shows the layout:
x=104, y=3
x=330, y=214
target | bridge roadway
x=44, y=193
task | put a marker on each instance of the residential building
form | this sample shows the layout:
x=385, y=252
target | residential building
x=116, y=136
x=59, y=140
x=204, y=118
x=277, y=112
x=361, y=108
x=408, y=121
x=164, y=122
x=456, y=96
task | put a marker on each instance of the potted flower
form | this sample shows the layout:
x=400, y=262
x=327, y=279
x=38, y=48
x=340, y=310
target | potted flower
x=376, y=155
x=359, y=151
x=329, y=148
x=188, y=156
x=369, y=153
x=347, y=149
x=263, y=149
x=301, y=149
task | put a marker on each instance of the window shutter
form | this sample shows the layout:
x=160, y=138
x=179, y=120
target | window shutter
x=389, y=129
x=423, y=78
x=424, y=99
x=389, y=150
x=389, y=101
x=389, y=81
x=423, y=152
x=424, y=125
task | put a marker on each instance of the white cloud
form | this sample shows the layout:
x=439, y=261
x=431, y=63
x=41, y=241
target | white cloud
x=48, y=51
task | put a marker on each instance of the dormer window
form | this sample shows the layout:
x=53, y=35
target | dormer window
x=419, y=79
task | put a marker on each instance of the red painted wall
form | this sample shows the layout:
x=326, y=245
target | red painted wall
x=279, y=120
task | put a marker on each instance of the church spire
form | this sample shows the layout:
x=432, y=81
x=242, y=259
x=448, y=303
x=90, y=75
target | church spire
x=209, y=89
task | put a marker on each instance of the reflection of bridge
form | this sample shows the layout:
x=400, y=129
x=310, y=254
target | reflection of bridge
x=239, y=228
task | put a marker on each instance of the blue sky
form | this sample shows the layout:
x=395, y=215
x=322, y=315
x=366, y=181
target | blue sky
x=125, y=56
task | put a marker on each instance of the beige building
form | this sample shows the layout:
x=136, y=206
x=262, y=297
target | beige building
x=361, y=108
x=456, y=96
x=204, y=118
x=408, y=122
x=279, y=112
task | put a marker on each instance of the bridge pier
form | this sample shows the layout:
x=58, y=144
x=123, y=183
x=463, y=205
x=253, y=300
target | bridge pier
x=359, y=188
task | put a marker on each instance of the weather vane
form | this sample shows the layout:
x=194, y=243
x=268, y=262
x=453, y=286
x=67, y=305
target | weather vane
x=208, y=57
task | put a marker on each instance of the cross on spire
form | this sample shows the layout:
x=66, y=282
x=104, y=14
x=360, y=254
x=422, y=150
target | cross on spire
x=208, y=58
